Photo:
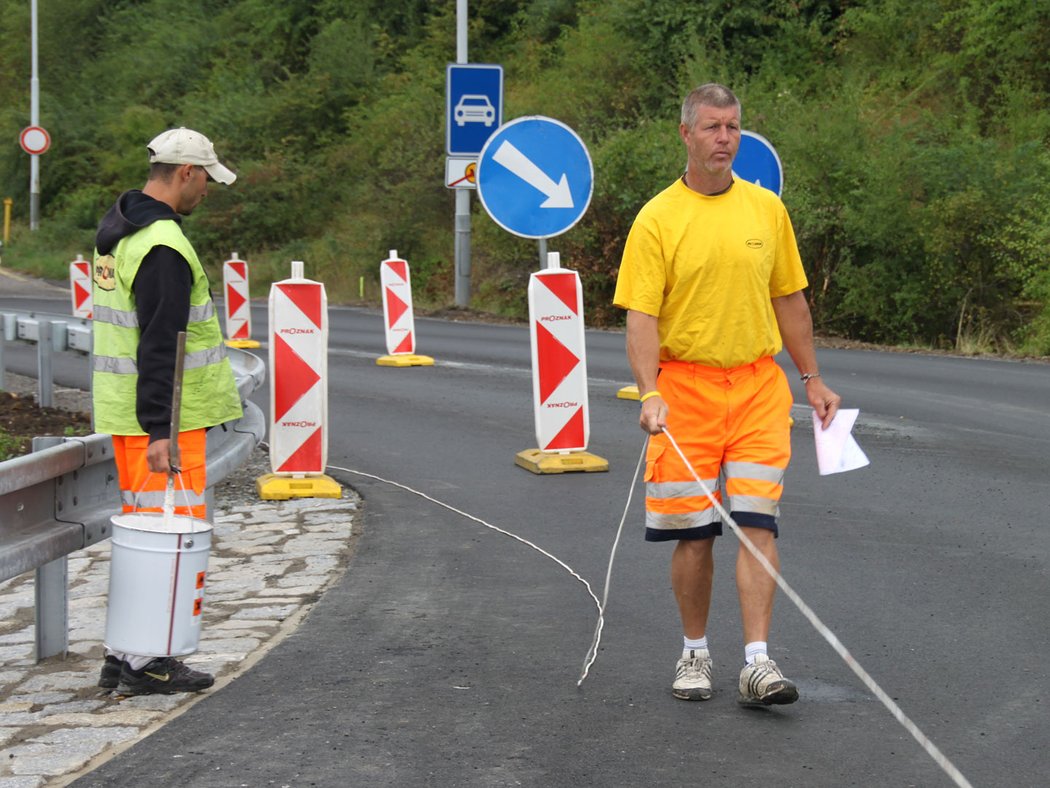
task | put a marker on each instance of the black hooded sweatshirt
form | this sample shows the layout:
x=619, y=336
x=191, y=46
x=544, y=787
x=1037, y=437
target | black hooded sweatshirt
x=162, y=302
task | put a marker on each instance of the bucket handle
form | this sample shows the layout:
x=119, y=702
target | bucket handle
x=171, y=487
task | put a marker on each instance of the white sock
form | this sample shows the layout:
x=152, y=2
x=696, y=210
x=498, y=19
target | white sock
x=700, y=644
x=753, y=649
x=136, y=662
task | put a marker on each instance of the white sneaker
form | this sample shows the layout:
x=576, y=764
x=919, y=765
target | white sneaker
x=762, y=684
x=692, y=678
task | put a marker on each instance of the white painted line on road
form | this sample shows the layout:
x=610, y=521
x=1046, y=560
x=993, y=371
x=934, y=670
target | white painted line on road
x=470, y=366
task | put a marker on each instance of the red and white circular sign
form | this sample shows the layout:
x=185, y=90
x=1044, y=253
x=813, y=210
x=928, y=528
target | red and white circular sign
x=34, y=140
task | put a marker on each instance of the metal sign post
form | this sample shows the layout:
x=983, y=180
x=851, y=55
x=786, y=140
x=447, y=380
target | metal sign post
x=462, y=221
x=535, y=179
x=34, y=120
x=474, y=96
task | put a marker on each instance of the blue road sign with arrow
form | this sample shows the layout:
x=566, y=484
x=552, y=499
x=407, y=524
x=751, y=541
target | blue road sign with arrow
x=757, y=161
x=535, y=177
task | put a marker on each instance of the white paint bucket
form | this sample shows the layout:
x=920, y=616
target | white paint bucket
x=156, y=584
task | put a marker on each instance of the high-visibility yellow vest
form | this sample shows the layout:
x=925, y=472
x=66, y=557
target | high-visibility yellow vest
x=209, y=393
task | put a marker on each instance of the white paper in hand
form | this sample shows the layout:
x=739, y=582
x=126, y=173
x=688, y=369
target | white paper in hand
x=837, y=450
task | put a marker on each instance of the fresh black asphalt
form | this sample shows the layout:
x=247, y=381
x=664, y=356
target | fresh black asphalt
x=448, y=654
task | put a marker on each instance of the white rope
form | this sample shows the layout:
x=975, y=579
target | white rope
x=931, y=749
x=478, y=520
x=592, y=653
x=939, y=758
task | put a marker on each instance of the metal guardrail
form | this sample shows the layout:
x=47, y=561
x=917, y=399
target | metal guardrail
x=60, y=499
x=51, y=333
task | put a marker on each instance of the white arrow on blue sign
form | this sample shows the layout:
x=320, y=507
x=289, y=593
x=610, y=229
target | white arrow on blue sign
x=535, y=177
x=757, y=161
x=474, y=106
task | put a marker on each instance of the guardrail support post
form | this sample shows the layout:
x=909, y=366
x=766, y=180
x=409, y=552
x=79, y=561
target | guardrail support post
x=7, y=334
x=51, y=591
x=44, y=351
x=52, y=609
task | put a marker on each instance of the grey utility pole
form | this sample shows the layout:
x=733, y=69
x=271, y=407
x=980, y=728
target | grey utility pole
x=34, y=120
x=462, y=225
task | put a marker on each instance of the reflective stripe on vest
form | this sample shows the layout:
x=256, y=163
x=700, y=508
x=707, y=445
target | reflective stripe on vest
x=116, y=366
x=211, y=355
x=118, y=317
x=129, y=319
x=128, y=366
x=202, y=312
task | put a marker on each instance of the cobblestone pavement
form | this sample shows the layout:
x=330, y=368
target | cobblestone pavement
x=269, y=562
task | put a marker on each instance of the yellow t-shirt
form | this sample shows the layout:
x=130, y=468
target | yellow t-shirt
x=707, y=268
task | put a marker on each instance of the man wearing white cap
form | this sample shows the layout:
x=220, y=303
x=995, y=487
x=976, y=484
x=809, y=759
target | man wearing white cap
x=148, y=286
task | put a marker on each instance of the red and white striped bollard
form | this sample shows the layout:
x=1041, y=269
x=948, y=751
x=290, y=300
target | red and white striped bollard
x=237, y=302
x=80, y=287
x=298, y=391
x=559, y=374
x=398, y=316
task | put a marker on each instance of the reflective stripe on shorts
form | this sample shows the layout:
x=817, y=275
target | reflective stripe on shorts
x=143, y=491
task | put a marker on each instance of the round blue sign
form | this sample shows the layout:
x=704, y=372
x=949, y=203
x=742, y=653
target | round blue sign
x=535, y=177
x=757, y=161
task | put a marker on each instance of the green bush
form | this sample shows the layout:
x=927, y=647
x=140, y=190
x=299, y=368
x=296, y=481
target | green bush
x=913, y=133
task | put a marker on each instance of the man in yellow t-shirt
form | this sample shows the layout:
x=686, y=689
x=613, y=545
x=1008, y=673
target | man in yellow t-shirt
x=712, y=283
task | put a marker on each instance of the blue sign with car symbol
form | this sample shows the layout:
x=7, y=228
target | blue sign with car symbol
x=474, y=98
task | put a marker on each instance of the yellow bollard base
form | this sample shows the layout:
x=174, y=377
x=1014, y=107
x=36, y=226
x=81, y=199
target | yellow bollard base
x=272, y=487
x=539, y=461
x=242, y=343
x=628, y=392
x=405, y=360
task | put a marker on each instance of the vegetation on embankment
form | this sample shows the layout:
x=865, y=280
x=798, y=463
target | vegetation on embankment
x=914, y=136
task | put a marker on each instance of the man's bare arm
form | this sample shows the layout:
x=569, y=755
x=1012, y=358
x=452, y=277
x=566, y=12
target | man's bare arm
x=643, y=354
x=796, y=329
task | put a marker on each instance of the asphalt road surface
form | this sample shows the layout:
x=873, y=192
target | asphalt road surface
x=448, y=654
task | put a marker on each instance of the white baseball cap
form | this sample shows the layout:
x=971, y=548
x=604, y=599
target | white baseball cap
x=185, y=146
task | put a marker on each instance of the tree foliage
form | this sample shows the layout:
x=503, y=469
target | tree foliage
x=914, y=135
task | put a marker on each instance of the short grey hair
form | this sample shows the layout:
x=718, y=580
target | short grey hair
x=710, y=95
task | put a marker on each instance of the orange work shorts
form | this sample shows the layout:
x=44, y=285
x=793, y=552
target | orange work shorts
x=142, y=490
x=732, y=424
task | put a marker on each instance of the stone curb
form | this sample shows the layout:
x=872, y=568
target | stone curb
x=269, y=562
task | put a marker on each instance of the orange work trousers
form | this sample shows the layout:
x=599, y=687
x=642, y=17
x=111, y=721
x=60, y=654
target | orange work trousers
x=732, y=424
x=142, y=490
